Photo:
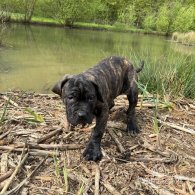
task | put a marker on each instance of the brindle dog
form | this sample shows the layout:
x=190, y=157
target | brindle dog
x=92, y=93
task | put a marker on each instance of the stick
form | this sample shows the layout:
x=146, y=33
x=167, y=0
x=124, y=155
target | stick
x=10, y=101
x=184, y=178
x=4, y=134
x=6, y=186
x=97, y=180
x=160, y=175
x=114, y=137
x=4, y=162
x=19, y=146
x=31, y=151
x=159, y=190
x=13, y=191
x=110, y=188
x=49, y=135
x=191, y=131
x=5, y=176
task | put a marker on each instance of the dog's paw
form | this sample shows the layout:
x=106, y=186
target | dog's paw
x=93, y=153
x=132, y=128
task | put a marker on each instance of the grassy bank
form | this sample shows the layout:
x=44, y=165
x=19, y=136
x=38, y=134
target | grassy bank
x=119, y=27
x=168, y=75
x=184, y=38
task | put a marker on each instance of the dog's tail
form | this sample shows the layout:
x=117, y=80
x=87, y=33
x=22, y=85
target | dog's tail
x=141, y=67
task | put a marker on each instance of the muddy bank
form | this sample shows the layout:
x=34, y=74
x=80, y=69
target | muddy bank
x=35, y=135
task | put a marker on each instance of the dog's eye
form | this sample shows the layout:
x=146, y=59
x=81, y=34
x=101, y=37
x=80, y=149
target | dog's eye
x=70, y=97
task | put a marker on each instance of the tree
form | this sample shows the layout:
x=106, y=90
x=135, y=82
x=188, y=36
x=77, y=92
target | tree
x=29, y=6
x=68, y=11
x=127, y=15
x=185, y=19
x=163, y=20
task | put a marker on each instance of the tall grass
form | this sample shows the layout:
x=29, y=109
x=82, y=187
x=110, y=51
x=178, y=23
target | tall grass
x=171, y=75
x=184, y=38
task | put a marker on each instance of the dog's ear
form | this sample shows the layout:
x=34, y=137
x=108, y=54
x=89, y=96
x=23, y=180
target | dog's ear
x=57, y=88
x=98, y=92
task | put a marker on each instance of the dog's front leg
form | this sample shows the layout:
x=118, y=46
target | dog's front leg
x=93, y=149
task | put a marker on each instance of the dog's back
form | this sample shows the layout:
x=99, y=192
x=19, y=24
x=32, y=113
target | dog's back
x=113, y=74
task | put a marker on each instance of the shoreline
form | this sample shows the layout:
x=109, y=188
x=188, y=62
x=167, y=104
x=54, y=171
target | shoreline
x=84, y=26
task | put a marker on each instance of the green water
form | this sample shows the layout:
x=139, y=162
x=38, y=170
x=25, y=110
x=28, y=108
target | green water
x=37, y=56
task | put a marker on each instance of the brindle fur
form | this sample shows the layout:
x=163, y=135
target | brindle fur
x=92, y=93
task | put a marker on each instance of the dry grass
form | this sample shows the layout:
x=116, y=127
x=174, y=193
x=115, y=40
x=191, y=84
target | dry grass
x=160, y=163
x=184, y=38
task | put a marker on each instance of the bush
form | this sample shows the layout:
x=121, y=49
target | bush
x=127, y=16
x=149, y=22
x=184, y=20
x=163, y=20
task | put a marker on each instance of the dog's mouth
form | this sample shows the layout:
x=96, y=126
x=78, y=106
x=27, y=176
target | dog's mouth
x=74, y=121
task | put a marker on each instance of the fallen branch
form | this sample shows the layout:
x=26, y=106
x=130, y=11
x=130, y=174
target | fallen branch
x=191, y=131
x=159, y=190
x=4, y=134
x=13, y=191
x=10, y=101
x=4, y=162
x=97, y=180
x=114, y=137
x=6, y=186
x=49, y=135
x=5, y=176
x=18, y=146
x=110, y=188
x=160, y=175
x=34, y=152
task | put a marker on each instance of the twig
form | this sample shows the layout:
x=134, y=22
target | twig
x=190, y=188
x=191, y=131
x=4, y=162
x=114, y=137
x=159, y=190
x=10, y=101
x=184, y=178
x=49, y=135
x=116, y=125
x=4, y=134
x=97, y=179
x=31, y=151
x=5, y=176
x=43, y=146
x=56, y=146
x=6, y=186
x=153, y=173
x=110, y=188
x=160, y=175
x=13, y=191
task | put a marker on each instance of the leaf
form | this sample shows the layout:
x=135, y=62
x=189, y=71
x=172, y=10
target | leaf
x=37, y=117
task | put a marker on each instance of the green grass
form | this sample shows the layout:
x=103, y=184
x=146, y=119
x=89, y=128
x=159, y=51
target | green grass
x=168, y=75
x=119, y=27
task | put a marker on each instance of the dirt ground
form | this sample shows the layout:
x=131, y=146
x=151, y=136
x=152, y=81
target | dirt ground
x=40, y=154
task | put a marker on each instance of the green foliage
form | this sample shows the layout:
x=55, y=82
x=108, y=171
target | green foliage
x=127, y=15
x=163, y=16
x=185, y=19
x=69, y=11
x=149, y=22
x=37, y=118
x=163, y=20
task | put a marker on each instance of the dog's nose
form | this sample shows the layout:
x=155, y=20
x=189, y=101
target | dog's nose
x=81, y=114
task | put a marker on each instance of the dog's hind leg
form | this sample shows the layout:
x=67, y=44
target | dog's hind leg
x=132, y=96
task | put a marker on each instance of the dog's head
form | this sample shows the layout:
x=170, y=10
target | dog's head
x=80, y=97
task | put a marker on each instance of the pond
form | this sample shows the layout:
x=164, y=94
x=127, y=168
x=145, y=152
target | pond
x=37, y=56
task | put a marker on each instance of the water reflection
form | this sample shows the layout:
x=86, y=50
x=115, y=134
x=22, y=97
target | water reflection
x=41, y=55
